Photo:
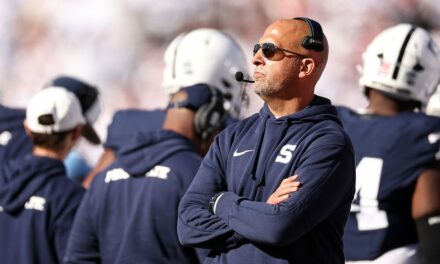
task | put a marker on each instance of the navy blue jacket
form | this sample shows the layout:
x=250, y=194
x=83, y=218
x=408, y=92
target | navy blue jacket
x=13, y=140
x=37, y=206
x=129, y=214
x=391, y=153
x=248, y=161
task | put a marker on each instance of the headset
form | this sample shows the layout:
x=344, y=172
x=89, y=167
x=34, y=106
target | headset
x=314, y=41
x=210, y=117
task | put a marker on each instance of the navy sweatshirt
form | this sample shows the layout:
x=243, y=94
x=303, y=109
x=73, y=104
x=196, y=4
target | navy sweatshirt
x=37, y=206
x=129, y=214
x=247, y=162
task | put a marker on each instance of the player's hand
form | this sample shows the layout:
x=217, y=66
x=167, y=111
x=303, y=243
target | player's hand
x=282, y=193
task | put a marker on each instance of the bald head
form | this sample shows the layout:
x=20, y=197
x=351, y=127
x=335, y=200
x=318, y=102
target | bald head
x=291, y=32
x=286, y=72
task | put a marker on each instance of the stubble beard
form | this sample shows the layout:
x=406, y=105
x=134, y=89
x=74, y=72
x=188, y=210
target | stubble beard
x=263, y=88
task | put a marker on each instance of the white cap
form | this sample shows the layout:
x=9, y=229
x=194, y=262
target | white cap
x=54, y=110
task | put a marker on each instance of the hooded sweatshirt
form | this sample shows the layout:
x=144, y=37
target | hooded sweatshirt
x=129, y=214
x=37, y=207
x=247, y=162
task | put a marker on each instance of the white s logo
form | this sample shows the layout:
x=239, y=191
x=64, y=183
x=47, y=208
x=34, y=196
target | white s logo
x=285, y=154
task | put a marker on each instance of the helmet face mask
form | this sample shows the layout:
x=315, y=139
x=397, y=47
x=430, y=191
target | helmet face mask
x=404, y=62
x=206, y=56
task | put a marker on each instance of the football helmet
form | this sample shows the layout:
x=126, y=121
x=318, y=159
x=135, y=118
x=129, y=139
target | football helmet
x=206, y=56
x=402, y=61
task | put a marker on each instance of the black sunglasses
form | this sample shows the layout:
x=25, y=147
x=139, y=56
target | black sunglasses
x=269, y=50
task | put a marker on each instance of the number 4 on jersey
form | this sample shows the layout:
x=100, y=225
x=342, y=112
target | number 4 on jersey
x=368, y=215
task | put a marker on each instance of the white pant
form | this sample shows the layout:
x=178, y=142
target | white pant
x=402, y=255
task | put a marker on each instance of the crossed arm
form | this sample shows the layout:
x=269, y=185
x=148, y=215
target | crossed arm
x=219, y=235
x=237, y=218
x=283, y=192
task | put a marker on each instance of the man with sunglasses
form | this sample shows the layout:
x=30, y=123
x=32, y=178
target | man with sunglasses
x=228, y=206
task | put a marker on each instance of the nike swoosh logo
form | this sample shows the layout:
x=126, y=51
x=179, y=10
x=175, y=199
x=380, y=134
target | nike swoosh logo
x=238, y=154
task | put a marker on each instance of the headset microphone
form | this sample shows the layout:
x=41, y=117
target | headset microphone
x=240, y=77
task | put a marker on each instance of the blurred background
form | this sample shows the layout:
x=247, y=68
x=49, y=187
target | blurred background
x=118, y=45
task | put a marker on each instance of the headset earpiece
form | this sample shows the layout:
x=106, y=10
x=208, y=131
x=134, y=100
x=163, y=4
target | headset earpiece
x=209, y=117
x=314, y=41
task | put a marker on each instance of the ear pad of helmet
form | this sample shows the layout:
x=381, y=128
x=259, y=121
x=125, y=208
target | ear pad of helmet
x=209, y=117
